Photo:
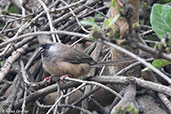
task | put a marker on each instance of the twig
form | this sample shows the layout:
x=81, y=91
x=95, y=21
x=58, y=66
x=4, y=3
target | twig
x=25, y=75
x=95, y=83
x=101, y=109
x=142, y=83
x=153, y=51
x=165, y=100
x=83, y=97
x=106, y=56
x=4, y=88
x=27, y=24
x=131, y=66
x=11, y=99
x=76, y=17
x=139, y=59
x=49, y=19
x=24, y=102
x=57, y=97
x=146, y=32
x=100, y=79
x=43, y=92
x=16, y=46
x=64, y=105
x=129, y=96
x=36, y=53
x=69, y=6
x=76, y=107
x=66, y=16
x=92, y=73
x=76, y=42
x=95, y=10
x=63, y=96
x=6, y=49
x=15, y=55
x=43, y=32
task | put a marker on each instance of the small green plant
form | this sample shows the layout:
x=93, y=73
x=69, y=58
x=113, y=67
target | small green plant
x=95, y=27
x=13, y=9
x=129, y=108
x=164, y=1
x=158, y=63
x=113, y=3
x=90, y=22
x=160, y=20
x=108, y=23
x=1, y=63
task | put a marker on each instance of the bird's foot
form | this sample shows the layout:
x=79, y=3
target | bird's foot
x=64, y=76
x=48, y=79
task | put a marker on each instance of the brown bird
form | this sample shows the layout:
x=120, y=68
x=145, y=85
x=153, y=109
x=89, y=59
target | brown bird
x=59, y=59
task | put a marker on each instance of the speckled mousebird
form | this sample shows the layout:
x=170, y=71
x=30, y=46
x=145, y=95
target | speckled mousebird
x=59, y=59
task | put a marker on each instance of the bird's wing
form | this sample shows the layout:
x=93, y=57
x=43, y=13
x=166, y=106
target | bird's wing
x=76, y=57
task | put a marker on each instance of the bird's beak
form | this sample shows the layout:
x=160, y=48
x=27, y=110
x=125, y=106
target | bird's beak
x=41, y=49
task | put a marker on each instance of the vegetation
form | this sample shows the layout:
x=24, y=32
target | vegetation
x=129, y=39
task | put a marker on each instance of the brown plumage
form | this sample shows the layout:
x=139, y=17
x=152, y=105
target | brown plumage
x=59, y=59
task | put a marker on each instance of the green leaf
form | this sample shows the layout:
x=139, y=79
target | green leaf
x=164, y=1
x=1, y=25
x=109, y=22
x=113, y=3
x=170, y=40
x=160, y=19
x=1, y=63
x=12, y=9
x=158, y=63
x=98, y=15
x=90, y=22
x=114, y=20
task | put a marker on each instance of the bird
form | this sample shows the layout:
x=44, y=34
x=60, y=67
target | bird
x=60, y=59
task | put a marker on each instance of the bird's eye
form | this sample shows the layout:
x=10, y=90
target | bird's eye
x=46, y=46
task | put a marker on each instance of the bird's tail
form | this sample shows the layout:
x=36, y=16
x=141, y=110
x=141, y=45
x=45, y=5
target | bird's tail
x=116, y=62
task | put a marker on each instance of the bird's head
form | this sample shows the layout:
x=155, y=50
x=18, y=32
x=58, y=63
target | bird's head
x=45, y=47
x=48, y=49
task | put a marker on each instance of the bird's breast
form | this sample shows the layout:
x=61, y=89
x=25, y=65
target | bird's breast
x=63, y=68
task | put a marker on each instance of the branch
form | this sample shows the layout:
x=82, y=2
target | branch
x=45, y=33
x=67, y=15
x=49, y=19
x=142, y=83
x=103, y=79
x=139, y=59
x=15, y=55
x=94, y=83
x=153, y=51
